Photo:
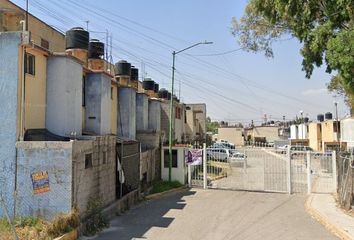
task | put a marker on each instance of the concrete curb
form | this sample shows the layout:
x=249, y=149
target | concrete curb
x=166, y=193
x=326, y=222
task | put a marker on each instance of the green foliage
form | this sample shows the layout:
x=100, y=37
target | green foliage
x=325, y=28
x=162, y=186
x=96, y=221
x=212, y=126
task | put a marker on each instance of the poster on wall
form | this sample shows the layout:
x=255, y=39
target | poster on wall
x=40, y=182
x=194, y=156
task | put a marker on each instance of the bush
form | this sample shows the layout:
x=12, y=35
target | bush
x=95, y=221
x=162, y=186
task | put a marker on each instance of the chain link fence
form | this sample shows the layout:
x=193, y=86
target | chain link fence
x=345, y=163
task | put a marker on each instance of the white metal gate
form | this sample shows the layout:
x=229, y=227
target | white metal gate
x=264, y=169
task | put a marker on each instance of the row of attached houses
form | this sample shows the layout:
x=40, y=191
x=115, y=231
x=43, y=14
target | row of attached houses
x=325, y=134
x=70, y=119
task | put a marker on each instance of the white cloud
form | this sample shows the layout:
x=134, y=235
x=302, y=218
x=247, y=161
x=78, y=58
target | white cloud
x=314, y=92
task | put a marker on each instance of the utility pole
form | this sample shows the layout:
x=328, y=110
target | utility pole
x=171, y=106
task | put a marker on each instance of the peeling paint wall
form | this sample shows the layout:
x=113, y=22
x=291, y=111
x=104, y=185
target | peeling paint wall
x=54, y=158
x=9, y=78
x=142, y=111
x=154, y=119
x=127, y=113
x=98, y=103
x=64, y=96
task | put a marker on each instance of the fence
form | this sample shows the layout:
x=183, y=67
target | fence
x=265, y=169
x=345, y=162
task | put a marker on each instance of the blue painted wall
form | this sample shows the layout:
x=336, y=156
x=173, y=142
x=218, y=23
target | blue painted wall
x=64, y=96
x=127, y=113
x=142, y=111
x=98, y=103
x=9, y=76
x=56, y=159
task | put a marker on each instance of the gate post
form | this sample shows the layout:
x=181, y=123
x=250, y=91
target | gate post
x=334, y=170
x=189, y=176
x=288, y=167
x=204, y=166
x=308, y=163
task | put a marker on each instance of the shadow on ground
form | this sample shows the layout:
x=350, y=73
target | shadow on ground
x=139, y=220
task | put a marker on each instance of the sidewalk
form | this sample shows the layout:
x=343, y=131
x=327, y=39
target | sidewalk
x=323, y=208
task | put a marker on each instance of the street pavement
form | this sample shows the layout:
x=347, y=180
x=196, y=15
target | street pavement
x=218, y=214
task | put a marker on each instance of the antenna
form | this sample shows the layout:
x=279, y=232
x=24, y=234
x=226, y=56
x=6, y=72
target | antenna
x=87, y=24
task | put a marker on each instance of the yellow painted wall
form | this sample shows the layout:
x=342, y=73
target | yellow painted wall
x=315, y=136
x=232, y=135
x=328, y=134
x=11, y=22
x=114, y=111
x=35, y=92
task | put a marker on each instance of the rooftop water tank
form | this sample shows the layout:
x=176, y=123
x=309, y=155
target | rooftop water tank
x=123, y=68
x=328, y=116
x=77, y=38
x=96, y=49
x=163, y=93
x=306, y=119
x=149, y=84
x=156, y=88
x=134, y=75
x=320, y=117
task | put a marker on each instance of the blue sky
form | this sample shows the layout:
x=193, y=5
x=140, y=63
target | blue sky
x=237, y=87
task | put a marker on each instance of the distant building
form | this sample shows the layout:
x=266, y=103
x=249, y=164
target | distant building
x=231, y=134
x=347, y=132
x=262, y=134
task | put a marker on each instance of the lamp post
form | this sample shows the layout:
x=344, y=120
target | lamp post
x=337, y=121
x=171, y=105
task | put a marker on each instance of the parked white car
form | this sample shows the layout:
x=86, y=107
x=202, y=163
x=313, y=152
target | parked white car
x=219, y=153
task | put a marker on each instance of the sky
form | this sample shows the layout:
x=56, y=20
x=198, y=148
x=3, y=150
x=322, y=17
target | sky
x=237, y=87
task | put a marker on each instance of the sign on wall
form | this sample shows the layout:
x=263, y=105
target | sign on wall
x=194, y=156
x=40, y=182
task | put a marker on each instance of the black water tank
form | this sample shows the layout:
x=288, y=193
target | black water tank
x=163, y=93
x=96, y=49
x=328, y=116
x=306, y=119
x=320, y=117
x=169, y=95
x=156, y=88
x=123, y=68
x=149, y=84
x=77, y=38
x=134, y=75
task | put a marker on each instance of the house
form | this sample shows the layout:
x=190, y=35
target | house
x=347, y=132
x=195, y=118
x=231, y=134
x=262, y=134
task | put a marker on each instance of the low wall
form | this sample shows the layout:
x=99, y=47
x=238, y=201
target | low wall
x=34, y=161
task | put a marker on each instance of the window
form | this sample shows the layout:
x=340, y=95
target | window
x=185, y=116
x=112, y=93
x=104, y=159
x=83, y=91
x=167, y=158
x=178, y=113
x=30, y=62
x=88, y=160
x=44, y=43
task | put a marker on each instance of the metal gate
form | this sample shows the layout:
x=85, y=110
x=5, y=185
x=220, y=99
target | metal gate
x=264, y=169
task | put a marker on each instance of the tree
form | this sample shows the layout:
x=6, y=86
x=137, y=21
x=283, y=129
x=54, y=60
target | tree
x=325, y=28
x=212, y=126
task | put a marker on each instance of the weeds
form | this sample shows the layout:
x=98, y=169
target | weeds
x=96, y=221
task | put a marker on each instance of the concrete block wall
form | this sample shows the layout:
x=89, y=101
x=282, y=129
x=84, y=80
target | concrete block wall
x=148, y=139
x=127, y=113
x=64, y=96
x=165, y=110
x=9, y=52
x=130, y=163
x=142, y=111
x=98, y=180
x=98, y=103
x=54, y=158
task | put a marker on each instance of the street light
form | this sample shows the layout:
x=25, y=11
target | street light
x=171, y=105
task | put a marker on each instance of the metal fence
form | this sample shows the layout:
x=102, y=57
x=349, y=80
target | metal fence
x=345, y=179
x=265, y=169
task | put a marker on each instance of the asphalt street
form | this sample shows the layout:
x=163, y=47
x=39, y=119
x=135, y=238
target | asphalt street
x=218, y=214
